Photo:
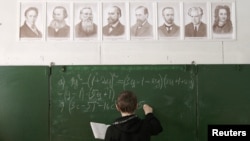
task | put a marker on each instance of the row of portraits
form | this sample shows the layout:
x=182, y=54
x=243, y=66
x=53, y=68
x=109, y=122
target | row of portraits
x=126, y=20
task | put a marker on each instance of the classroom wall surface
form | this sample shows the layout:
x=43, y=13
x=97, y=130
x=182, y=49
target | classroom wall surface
x=68, y=52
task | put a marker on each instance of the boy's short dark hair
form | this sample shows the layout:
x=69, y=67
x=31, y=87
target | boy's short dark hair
x=127, y=102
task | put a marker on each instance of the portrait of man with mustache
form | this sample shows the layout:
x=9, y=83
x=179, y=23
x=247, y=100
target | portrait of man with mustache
x=142, y=28
x=168, y=28
x=114, y=26
x=58, y=27
x=86, y=27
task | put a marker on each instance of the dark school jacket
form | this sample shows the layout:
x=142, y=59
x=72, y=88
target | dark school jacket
x=132, y=128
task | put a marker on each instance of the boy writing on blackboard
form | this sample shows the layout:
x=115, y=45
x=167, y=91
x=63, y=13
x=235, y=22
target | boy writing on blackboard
x=129, y=127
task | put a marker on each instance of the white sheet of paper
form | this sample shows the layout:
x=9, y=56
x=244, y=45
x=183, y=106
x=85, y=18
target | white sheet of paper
x=99, y=129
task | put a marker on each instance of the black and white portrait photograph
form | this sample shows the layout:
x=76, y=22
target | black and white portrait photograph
x=222, y=20
x=141, y=20
x=31, y=21
x=195, y=20
x=114, y=20
x=168, y=20
x=86, y=21
x=58, y=20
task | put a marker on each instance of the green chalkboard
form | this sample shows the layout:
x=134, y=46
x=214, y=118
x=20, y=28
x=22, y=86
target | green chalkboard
x=57, y=104
x=80, y=94
x=224, y=96
x=24, y=103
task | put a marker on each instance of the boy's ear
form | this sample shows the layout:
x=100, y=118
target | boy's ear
x=117, y=108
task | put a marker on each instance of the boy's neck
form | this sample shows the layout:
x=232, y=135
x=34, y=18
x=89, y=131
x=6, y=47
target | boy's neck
x=126, y=114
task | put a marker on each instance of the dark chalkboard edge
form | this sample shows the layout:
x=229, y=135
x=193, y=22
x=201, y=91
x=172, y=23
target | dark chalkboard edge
x=63, y=68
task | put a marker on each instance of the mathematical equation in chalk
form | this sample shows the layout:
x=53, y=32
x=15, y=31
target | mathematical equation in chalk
x=97, y=91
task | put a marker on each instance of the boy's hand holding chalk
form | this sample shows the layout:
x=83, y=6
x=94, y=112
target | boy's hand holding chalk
x=147, y=109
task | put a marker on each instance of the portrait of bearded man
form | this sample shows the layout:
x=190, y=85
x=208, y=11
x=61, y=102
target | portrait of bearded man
x=86, y=27
x=142, y=28
x=114, y=26
x=58, y=27
x=168, y=28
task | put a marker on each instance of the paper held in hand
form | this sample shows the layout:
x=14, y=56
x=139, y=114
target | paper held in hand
x=99, y=129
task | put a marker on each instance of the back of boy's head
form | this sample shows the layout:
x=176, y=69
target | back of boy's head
x=127, y=102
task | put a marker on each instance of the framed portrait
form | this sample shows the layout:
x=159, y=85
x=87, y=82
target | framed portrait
x=31, y=24
x=223, y=20
x=168, y=20
x=114, y=18
x=59, y=21
x=196, y=17
x=86, y=21
x=141, y=20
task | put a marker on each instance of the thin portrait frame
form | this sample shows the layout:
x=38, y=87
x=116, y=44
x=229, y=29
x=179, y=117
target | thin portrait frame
x=177, y=19
x=49, y=15
x=95, y=11
x=149, y=6
x=204, y=19
x=123, y=19
x=224, y=36
x=23, y=6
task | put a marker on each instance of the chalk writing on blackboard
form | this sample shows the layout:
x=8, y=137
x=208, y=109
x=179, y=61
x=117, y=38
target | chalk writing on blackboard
x=87, y=93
